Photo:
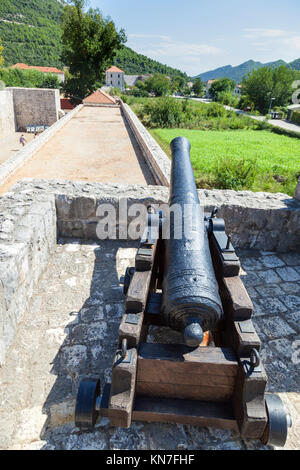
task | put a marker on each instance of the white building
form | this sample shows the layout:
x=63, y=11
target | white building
x=115, y=78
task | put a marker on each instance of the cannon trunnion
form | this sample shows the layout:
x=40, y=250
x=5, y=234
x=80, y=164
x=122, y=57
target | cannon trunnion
x=212, y=375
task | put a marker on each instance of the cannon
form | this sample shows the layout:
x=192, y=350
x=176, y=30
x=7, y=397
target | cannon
x=190, y=300
x=208, y=372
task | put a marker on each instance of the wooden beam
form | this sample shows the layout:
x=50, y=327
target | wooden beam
x=235, y=298
x=169, y=370
x=249, y=400
x=122, y=390
x=197, y=413
x=172, y=410
x=138, y=292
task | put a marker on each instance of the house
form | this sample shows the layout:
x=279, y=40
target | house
x=115, y=78
x=208, y=86
x=53, y=70
x=131, y=80
x=99, y=98
x=238, y=90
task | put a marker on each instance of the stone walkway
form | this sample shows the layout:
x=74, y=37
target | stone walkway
x=70, y=332
x=10, y=145
x=95, y=145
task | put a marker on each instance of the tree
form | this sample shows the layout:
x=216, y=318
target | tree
x=198, y=87
x=261, y=85
x=89, y=42
x=158, y=84
x=186, y=91
x=1, y=56
x=223, y=84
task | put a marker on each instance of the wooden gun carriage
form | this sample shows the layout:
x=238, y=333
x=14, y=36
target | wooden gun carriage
x=214, y=377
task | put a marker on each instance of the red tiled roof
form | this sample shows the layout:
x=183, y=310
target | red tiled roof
x=114, y=69
x=40, y=69
x=99, y=97
x=65, y=103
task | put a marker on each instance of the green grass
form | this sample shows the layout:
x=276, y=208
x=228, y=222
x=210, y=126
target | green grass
x=241, y=159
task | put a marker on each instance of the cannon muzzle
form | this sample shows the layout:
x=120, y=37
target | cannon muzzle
x=191, y=301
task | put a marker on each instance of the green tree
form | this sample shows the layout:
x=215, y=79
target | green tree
x=198, y=87
x=261, y=85
x=1, y=56
x=223, y=84
x=158, y=84
x=89, y=42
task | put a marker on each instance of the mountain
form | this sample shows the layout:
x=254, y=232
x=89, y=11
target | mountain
x=30, y=32
x=237, y=73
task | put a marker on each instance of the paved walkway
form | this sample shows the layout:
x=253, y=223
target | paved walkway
x=95, y=145
x=70, y=331
x=10, y=145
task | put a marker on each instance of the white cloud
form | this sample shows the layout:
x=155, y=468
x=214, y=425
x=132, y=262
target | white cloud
x=253, y=33
x=183, y=55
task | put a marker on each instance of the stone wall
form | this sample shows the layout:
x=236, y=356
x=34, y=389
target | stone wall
x=297, y=192
x=34, y=212
x=7, y=117
x=35, y=106
x=19, y=158
x=158, y=162
x=27, y=239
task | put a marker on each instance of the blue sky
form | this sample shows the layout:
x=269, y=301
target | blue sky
x=196, y=36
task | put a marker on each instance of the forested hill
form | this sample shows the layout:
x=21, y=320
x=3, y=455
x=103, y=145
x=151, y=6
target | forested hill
x=237, y=73
x=30, y=32
x=134, y=64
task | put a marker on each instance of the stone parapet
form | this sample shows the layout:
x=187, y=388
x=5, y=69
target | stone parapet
x=158, y=162
x=34, y=212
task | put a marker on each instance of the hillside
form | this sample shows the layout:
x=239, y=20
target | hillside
x=237, y=73
x=133, y=64
x=30, y=32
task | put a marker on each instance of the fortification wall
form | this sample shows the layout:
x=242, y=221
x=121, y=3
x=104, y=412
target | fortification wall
x=7, y=116
x=35, y=106
x=34, y=212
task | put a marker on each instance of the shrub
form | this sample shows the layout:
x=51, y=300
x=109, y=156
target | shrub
x=164, y=112
x=296, y=117
x=235, y=173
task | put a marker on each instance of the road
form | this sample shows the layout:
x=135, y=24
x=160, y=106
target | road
x=274, y=122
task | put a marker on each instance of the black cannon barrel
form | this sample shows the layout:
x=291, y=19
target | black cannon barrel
x=191, y=301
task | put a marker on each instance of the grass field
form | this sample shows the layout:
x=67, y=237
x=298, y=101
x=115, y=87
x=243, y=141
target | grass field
x=241, y=159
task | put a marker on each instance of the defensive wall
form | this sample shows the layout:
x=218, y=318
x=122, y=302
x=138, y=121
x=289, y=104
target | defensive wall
x=21, y=107
x=7, y=115
x=35, y=212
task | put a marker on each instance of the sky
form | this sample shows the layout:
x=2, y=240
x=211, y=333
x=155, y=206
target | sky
x=196, y=36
